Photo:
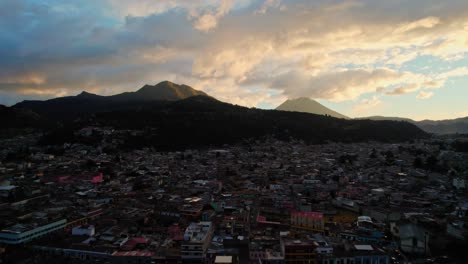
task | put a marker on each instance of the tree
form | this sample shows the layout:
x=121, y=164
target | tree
x=431, y=162
x=389, y=157
x=418, y=163
x=373, y=154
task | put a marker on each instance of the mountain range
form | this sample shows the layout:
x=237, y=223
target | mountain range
x=449, y=126
x=306, y=105
x=178, y=115
x=72, y=106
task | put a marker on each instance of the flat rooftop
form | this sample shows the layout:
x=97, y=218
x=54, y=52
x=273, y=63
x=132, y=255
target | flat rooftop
x=223, y=259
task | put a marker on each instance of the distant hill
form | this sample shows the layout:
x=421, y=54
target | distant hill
x=85, y=103
x=449, y=126
x=307, y=105
x=19, y=118
x=380, y=118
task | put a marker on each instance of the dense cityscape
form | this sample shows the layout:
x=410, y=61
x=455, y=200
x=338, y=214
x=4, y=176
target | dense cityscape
x=259, y=201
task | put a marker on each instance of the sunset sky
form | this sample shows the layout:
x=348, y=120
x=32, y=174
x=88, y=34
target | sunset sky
x=403, y=58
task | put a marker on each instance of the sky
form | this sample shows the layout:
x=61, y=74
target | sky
x=403, y=58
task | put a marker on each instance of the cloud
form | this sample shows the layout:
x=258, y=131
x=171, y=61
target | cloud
x=270, y=4
x=433, y=84
x=240, y=51
x=455, y=72
x=428, y=22
x=227, y=90
x=404, y=89
x=209, y=19
x=343, y=85
x=230, y=63
x=25, y=79
x=367, y=104
x=424, y=95
x=343, y=6
x=400, y=58
x=143, y=8
x=416, y=86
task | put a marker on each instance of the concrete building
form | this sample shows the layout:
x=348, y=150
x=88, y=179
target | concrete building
x=310, y=221
x=458, y=183
x=83, y=230
x=298, y=251
x=197, y=238
x=19, y=234
x=413, y=239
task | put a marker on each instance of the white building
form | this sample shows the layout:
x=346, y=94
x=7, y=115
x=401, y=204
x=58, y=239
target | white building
x=378, y=192
x=6, y=190
x=197, y=238
x=457, y=229
x=84, y=230
x=458, y=183
x=413, y=239
x=19, y=233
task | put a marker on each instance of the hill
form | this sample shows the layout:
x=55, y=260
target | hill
x=449, y=126
x=391, y=118
x=307, y=105
x=177, y=116
x=202, y=121
x=19, y=118
x=70, y=107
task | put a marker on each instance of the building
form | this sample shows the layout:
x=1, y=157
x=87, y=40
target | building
x=298, y=251
x=365, y=223
x=458, y=183
x=19, y=234
x=309, y=221
x=413, y=239
x=83, y=230
x=356, y=254
x=197, y=238
x=132, y=257
x=225, y=260
x=323, y=247
x=457, y=229
x=5, y=191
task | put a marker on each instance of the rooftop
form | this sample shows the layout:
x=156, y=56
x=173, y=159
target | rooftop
x=223, y=259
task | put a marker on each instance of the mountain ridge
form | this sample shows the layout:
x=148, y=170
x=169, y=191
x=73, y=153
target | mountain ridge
x=84, y=103
x=164, y=90
x=200, y=120
x=391, y=118
x=445, y=126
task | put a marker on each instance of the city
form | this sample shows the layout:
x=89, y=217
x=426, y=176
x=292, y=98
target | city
x=233, y=132
x=260, y=201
